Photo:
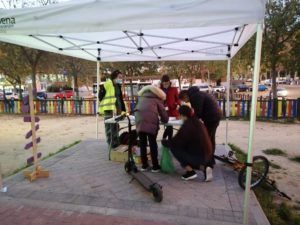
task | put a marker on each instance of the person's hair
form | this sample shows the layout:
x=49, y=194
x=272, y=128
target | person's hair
x=165, y=78
x=115, y=74
x=184, y=110
x=183, y=94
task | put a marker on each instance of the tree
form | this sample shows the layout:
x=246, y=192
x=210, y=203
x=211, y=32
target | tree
x=13, y=65
x=77, y=69
x=244, y=58
x=33, y=58
x=293, y=59
x=282, y=21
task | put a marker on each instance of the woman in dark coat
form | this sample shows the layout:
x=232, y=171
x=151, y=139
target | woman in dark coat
x=147, y=112
x=191, y=146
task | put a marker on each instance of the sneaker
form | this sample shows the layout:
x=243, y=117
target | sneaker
x=145, y=168
x=155, y=169
x=209, y=175
x=189, y=175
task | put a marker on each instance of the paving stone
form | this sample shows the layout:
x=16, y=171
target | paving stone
x=82, y=180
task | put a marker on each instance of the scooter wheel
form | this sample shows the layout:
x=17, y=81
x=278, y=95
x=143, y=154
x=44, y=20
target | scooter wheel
x=157, y=193
x=127, y=167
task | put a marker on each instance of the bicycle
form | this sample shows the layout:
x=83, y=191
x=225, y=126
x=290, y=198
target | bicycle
x=260, y=168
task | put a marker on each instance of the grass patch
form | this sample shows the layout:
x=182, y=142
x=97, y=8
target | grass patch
x=274, y=151
x=61, y=149
x=19, y=169
x=46, y=157
x=275, y=166
x=277, y=213
x=239, y=153
x=296, y=159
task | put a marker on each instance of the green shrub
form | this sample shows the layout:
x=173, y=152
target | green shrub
x=296, y=159
x=284, y=212
x=274, y=151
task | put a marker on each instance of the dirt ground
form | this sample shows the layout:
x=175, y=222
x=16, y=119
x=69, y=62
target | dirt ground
x=57, y=132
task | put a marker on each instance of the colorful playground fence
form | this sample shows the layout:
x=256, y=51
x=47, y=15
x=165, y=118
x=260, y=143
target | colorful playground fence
x=266, y=108
x=75, y=107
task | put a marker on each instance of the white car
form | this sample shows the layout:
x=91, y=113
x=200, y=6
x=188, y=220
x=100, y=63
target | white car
x=219, y=89
x=185, y=87
x=267, y=82
x=11, y=96
x=281, y=92
x=204, y=87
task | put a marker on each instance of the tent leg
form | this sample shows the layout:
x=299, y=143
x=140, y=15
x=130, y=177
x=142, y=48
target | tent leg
x=258, y=45
x=97, y=101
x=227, y=101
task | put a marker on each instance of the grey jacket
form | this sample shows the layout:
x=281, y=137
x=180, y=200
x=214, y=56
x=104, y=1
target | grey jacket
x=149, y=108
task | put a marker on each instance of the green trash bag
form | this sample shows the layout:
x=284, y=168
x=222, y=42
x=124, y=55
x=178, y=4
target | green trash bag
x=166, y=161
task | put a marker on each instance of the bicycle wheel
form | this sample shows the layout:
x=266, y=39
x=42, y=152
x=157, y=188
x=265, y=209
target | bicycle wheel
x=260, y=170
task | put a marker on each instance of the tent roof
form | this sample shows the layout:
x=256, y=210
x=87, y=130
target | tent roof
x=136, y=30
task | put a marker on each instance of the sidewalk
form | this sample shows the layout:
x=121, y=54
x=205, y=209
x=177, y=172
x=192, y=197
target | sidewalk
x=85, y=188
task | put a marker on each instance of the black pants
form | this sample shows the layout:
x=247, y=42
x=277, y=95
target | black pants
x=144, y=138
x=168, y=132
x=211, y=129
x=186, y=159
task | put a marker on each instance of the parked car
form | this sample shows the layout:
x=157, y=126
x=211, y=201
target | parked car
x=281, y=92
x=267, y=82
x=219, y=89
x=41, y=95
x=11, y=96
x=241, y=88
x=262, y=87
x=185, y=87
x=204, y=87
x=64, y=94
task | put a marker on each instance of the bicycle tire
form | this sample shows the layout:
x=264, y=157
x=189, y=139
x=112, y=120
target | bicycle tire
x=260, y=170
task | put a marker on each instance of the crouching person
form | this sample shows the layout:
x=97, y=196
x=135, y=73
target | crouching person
x=147, y=112
x=191, y=146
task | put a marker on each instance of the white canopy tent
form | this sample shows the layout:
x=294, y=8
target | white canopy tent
x=141, y=30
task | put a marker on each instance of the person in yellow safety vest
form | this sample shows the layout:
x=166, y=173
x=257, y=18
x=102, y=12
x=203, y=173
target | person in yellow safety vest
x=111, y=102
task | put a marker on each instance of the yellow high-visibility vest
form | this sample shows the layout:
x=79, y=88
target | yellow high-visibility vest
x=109, y=100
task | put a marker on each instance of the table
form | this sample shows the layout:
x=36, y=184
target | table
x=172, y=121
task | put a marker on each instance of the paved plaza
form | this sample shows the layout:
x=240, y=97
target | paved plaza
x=85, y=188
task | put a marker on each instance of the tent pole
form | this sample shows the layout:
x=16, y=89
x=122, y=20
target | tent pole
x=259, y=31
x=97, y=98
x=227, y=100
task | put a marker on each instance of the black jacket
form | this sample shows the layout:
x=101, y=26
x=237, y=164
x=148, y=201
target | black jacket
x=192, y=138
x=205, y=105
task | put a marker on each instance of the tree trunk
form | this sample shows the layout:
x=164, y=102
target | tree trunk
x=20, y=92
x=75, y=77
x=274, y=84
x=33, y=79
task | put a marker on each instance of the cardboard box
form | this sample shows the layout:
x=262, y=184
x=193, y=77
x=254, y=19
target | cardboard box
x=120, y=154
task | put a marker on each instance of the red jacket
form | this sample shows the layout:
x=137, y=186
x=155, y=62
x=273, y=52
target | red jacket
x=172, y=101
